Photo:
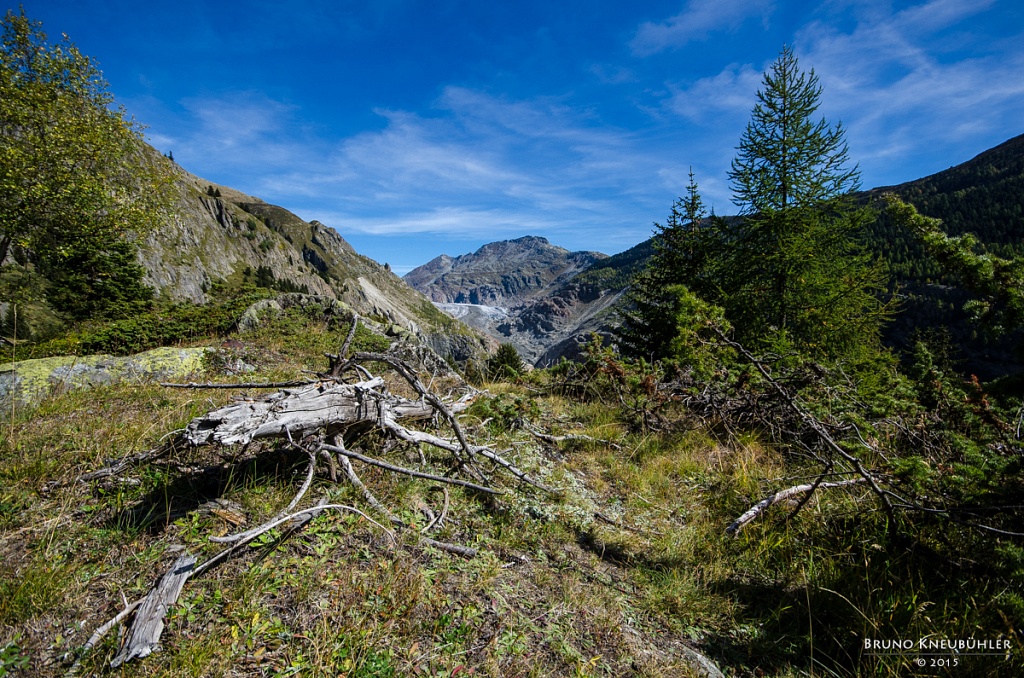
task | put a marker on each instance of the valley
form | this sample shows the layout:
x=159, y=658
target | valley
x=549, y=306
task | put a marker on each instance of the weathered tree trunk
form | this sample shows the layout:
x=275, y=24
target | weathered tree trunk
x=303, y=409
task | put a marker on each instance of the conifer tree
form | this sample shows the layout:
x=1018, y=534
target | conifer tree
x=682, y=248
x=506, y=363
x=798, y=275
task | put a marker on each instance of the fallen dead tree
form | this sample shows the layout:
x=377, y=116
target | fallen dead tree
x=299, y=411
x=324, y=418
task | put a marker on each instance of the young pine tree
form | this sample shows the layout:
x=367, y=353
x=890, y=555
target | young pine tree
x=682, y=249
x=506, y=363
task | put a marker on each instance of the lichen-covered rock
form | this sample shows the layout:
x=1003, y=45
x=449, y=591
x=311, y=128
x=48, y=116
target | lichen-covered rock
x=265, y=309
x=30, y=380
x=254, y=315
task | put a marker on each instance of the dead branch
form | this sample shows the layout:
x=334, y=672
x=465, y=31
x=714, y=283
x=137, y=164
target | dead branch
x=756, y=510
x=487, y=453
x=299, y=522
x=320, y=507
x=353, y=478
x=149, y=620
x=120, y=466
x=811, y=422
x=99, y=634
x=465, y=551
x=409, y=472
x=457, y=549
x=438, y=520
x=554, y=440
x=336, y=365
x=395, y=520
x=407, y=373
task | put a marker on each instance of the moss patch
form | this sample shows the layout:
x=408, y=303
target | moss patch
x=30, y=380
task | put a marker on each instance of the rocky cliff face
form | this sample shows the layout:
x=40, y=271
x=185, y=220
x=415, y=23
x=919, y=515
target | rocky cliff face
x=525, y=292
x=500, y=273
x=233, y=237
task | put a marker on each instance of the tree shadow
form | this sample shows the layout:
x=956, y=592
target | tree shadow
x=190, y=487
x=883, y=593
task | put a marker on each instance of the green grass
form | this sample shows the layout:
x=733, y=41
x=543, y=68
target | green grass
x=610, y=578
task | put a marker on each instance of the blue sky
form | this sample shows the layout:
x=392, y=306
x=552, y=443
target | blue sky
x=416, y=128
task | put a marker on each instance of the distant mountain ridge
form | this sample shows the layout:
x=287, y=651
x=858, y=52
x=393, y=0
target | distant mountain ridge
x=500, y=273
x=983, y=196
x=520, y=291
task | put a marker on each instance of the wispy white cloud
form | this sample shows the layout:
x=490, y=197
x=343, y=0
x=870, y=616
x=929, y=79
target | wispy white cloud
x=469, y=223
x=243, y=134
x=474, y=165
x=730, y=92
x=892, y=81
x=696, y=21
x=239, y=118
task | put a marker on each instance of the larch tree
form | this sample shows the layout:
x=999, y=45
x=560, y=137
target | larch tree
x=798, y=274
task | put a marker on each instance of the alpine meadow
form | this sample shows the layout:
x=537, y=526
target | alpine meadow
x=783, y=441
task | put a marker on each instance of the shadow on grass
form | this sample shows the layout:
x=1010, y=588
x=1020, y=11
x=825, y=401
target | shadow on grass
x=178, y=492
x=888, y=593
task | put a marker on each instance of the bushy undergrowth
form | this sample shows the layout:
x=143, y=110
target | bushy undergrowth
x=165, y=324
x=933, y=552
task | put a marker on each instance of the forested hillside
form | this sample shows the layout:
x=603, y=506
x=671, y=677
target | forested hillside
x=983, y=196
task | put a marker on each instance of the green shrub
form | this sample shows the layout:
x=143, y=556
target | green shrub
x=506, y=363
x=162, y=325
x=505, y=413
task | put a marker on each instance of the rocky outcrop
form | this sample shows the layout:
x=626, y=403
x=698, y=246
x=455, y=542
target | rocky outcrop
x=555, y=327
x=500, y=273
x=28, y=381
x=457, y=343
x=217, y=234
x=209, y=239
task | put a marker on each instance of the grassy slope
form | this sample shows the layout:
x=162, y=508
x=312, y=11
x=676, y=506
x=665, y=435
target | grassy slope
x=556, y=590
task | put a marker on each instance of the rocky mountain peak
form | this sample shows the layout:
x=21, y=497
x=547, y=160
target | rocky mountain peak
x=500, y=273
